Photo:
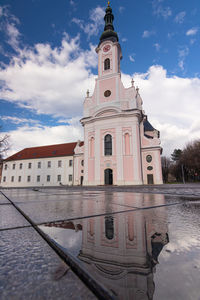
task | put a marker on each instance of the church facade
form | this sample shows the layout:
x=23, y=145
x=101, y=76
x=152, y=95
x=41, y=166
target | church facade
x=120, y=145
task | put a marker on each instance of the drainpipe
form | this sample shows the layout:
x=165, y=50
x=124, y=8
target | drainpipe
x=73, y=171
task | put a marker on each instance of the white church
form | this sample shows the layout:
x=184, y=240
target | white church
x=120, y=146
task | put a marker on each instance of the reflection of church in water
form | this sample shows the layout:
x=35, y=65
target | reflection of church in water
x=121, y=250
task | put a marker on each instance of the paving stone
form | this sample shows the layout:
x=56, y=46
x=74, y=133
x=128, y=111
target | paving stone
x=3, y=199
x=11, y=218
x=30, y=268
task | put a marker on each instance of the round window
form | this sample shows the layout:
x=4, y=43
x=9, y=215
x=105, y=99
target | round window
x=149, y=158
x=107, y=93
x=149, y=168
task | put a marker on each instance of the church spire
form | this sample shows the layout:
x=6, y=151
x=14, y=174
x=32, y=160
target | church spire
x=109, y=33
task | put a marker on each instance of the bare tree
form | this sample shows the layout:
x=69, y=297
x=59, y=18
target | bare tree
x=186, y=165
x=4, y=145
x=190, y=159
x=166, y=163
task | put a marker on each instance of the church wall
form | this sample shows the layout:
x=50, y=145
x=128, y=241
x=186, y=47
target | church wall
x=126, y=166
x=107, y=84
x=155, y=164
x=78, y=168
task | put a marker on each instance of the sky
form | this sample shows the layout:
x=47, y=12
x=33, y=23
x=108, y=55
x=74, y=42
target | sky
x=48, y=61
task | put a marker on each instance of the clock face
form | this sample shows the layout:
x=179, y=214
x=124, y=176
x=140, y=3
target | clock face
x=106, y=48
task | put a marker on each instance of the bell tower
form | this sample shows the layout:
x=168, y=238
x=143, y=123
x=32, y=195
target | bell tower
x=113, y=121
x=108, y=50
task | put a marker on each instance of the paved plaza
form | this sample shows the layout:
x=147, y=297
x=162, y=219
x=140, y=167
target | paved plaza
x=109, y=242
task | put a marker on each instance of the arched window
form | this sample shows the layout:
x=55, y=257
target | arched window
x=107, y=64
x=109, y=227
x=108, y=145
x=127, y=144
x=92, y=147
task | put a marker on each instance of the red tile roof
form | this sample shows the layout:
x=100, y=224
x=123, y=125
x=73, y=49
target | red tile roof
x=44, y=151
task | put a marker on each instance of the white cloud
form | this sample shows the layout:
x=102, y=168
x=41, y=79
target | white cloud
x=124, y=40
x=27, y=136
x=50, y=80
x=170, y=35
x=192, y=41
x=72, y=2
x=157, y=46
x=73, y=121
x=160, y=10
x=180, y=17
x=16, y=120
x=121, y=9
x=182, y=53
x=131, y=57
x=172, y=105
x=13, y=35
x=192, y=31
x=148, y=33
x=96, y=21
x=8, y=25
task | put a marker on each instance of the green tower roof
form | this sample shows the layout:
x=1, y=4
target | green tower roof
x=109, y=33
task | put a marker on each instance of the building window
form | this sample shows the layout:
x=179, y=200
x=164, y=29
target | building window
x=5, y=167
x=70, y=177
x=59, y=178
x=148, y=158
x=49, y=164
x=29, y=178
x=59, y=163
x=109, y=227
x=108, y=145
x=149, y=168
x=20, y=166
x=19, y=178
x=13, y=167
x=4, y=179
x=39, y=165
x=107, y=93
x=107, y=64
x=48, y=178
x=70, y=162
x=38, y=178
x=29, y=165
x=12, y=178
x=82, y=162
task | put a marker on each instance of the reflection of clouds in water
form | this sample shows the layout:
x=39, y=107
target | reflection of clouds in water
x=181, y=245
x=183, y=230
x=197, y=263
x=65, y=237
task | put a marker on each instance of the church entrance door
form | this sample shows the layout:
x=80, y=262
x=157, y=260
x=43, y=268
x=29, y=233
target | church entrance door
x=108, y=176
x=150, y=178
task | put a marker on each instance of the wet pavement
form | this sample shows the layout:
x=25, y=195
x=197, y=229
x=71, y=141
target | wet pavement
x=103, y=242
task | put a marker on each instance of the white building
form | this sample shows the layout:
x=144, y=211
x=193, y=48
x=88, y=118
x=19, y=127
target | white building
x=39, y=166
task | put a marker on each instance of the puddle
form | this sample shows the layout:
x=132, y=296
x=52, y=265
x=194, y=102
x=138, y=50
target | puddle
x=146, y=254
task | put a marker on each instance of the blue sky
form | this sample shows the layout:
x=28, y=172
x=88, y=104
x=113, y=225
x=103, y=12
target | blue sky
x=48, y=61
